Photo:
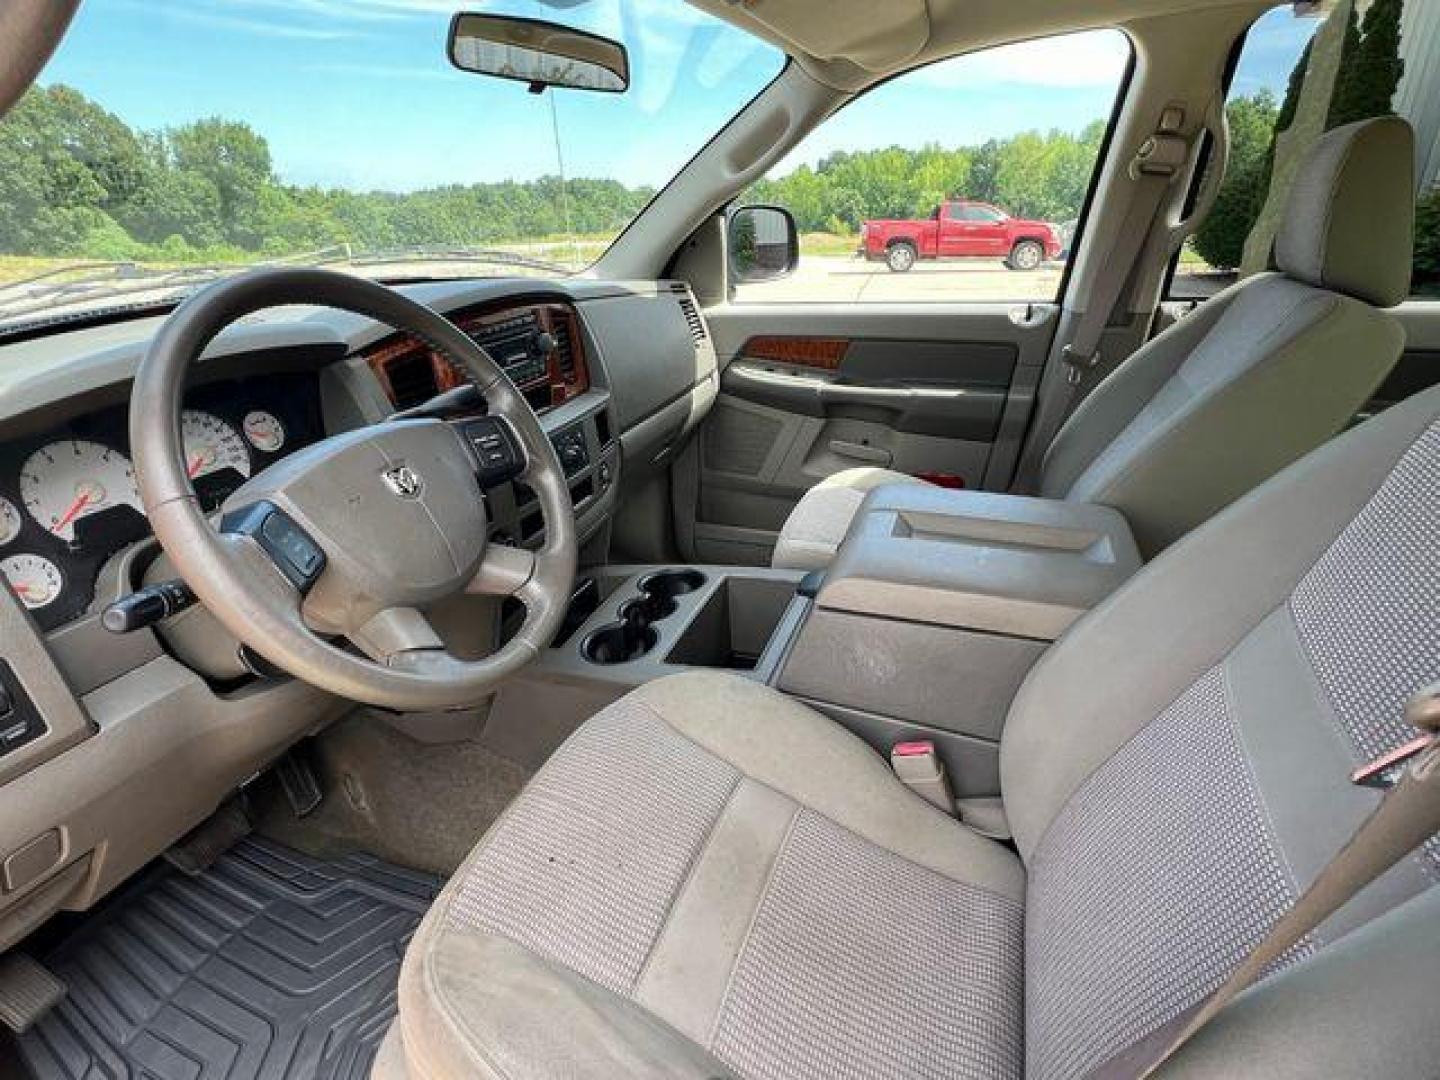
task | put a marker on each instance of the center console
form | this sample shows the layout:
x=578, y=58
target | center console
x=924, y=627
x=936, y=608
x=629, y=625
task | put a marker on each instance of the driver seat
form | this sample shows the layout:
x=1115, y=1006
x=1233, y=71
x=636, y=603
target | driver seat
x=710, y=879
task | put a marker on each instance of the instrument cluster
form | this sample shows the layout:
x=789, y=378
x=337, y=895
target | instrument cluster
x=68, y=499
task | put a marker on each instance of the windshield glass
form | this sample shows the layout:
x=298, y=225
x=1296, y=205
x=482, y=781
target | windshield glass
x=168, y=143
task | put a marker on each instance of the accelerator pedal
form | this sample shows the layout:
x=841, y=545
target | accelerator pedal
x=28, y=990
x=198, y=849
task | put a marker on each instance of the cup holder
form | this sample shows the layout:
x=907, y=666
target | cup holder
x=671, y=583
x=648, y=607
x=634, y=635
x=617, y=643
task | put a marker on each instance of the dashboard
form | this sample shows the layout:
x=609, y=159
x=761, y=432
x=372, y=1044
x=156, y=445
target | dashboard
x=67, y=494
x=137, y=738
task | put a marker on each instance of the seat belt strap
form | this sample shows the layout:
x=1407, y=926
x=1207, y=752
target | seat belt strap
x=1157, y=164
x=1407, y=816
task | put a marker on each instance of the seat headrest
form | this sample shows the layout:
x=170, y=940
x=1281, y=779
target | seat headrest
x=1349, y=225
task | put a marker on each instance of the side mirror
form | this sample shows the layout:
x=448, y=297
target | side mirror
x=764, y=244
x=538, y=53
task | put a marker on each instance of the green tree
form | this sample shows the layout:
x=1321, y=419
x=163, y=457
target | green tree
x=1370, y=65
x=233, y=157
x=60, y=152
x=1220, y=239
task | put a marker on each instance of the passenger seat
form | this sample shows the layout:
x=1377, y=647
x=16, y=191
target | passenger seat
x=1258, y=376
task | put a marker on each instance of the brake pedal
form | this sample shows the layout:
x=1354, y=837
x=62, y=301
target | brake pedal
x=198, y=849
x=299, y=782
x=28, y=990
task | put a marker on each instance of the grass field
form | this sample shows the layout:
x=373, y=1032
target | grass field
x=20, y=267
x=577, y=253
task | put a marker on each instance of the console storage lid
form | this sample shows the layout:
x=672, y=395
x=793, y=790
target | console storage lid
x=1002, y=564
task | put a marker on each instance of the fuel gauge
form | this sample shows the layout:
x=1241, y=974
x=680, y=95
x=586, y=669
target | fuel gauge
x=264, y=431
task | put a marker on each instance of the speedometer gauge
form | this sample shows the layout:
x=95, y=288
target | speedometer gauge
x=10, y=521
x=35, y=580
x=65, y=481
x=211, y=445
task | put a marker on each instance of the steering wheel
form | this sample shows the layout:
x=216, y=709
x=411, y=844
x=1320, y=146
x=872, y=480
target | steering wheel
x=349, y=540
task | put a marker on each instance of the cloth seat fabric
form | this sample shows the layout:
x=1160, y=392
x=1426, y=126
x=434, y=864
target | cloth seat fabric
x=716, y=860
x=1259, y=375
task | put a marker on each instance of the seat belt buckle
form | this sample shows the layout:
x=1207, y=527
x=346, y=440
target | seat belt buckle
x=919, y=768
x=1385, y=771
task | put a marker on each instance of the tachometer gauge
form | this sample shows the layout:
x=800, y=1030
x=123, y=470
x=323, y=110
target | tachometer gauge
x=211, y=445
x=66, y=481
x=264, y=431
x=10, y=521
x=35, y=580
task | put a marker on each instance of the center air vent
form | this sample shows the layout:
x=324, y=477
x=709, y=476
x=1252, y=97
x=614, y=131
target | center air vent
x=412, y=378
x=691, y=312
x=564, y=349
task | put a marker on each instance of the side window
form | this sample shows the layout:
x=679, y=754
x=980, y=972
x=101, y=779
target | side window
x=1298, y=77
x=874, y=190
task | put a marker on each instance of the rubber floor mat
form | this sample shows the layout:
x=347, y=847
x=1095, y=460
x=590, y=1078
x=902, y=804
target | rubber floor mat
x=270, y=965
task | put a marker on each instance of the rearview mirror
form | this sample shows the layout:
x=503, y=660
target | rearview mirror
x=764, y=244
x=538, y=53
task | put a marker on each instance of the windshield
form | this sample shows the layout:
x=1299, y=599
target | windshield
x=168, y=143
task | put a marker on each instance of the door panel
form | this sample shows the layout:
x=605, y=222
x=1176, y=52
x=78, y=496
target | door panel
x=809, y=390
x=956, y=237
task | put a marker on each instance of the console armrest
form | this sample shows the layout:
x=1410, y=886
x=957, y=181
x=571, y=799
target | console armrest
x=1001, y=564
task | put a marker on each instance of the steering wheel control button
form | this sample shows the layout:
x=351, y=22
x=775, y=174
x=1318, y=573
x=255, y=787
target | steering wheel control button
x=498, y=457
x=290, y=547
x=290, y=543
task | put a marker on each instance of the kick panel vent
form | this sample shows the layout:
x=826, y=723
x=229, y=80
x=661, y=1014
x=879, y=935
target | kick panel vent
x=738, y=440
x=690, y=311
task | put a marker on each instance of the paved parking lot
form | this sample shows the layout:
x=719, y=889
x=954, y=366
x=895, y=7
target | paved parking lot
x=842, y=279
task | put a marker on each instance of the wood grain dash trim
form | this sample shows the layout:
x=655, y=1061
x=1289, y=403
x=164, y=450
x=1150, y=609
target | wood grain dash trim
x=824, y=353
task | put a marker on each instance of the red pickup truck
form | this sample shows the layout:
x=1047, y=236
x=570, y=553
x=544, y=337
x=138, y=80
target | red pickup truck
x=961, y=228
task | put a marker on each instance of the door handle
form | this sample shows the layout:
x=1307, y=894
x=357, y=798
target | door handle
x=874, y=455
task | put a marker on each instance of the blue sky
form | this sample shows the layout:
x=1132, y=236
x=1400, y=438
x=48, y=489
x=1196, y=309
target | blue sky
x=358, y=93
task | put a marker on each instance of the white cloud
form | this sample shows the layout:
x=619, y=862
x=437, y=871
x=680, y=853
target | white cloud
x=1094, y=58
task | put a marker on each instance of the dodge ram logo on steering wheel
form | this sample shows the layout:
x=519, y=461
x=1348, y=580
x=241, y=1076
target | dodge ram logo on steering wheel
x=403, y=481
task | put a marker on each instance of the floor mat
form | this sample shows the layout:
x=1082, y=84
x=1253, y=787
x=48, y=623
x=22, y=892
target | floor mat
x=270, y=964
x=370, y=773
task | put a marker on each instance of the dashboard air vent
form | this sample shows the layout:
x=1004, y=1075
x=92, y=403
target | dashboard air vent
x=692, y=314
x=564, y=349
x=412, y=378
